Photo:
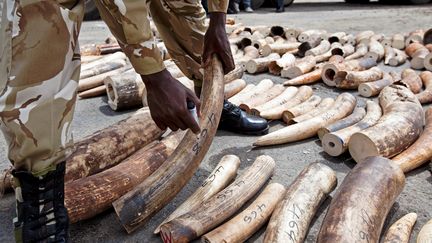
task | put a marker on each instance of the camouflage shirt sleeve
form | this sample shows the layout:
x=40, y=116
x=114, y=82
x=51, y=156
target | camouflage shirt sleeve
x=145, y=57
x=218, y=5
x=129, y=23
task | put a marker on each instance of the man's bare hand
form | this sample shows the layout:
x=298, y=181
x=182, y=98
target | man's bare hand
x=167, y=99
x=216, y=42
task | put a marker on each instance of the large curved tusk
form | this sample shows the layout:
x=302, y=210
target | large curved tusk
x=283, y=98
x=336, y=143
x=250, y=220
x=343, y=106
x=219, y=178
x=221, y=206
x=420, y=152
x=119, y=141
x=300, y=109
x=262, y=97
x=274, y=113
x=400, y=231
x=373, y=88
x=376, y=183
x=291, y=219
x=325, y=104
x=357, y=115
x=92, y=195
x=397, y=129
x=352, y=79
x=146, y=199
x=425, y=234
x=426, y=95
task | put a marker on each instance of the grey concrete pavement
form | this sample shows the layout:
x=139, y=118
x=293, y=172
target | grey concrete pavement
x=94, y=114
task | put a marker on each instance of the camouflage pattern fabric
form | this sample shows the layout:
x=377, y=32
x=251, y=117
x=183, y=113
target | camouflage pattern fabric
x=182, y=28
x=39, y=71
x=40, y=64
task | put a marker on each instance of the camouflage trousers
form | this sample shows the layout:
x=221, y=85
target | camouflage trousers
x=40, y=64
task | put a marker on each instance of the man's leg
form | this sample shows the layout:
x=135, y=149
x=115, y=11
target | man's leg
x=280, y=6
x=205, y=5
x=39, y=71
x=181, y=25
x=237, y=5
x=248, y=6
x=231, y=7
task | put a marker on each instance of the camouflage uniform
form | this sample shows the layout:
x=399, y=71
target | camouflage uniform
x=40, y=63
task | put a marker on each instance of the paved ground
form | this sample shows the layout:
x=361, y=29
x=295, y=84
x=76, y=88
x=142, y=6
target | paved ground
x=94, y=114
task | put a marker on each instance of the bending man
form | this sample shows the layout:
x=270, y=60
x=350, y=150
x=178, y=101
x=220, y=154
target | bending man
x=39, y=72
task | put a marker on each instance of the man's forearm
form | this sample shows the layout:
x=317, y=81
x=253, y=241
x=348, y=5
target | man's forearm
x=218, y=6
x=132, y=30
x=152, y=79
x=217, y=18
x=216, y=42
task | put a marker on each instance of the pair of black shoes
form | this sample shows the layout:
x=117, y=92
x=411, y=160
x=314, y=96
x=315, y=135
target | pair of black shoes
x=236, y=120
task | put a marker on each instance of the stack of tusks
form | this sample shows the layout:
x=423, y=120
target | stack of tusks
x=96, y=67
x=399, y=127
x=321, y=53
x=398, y=133
x=92, y=187
x=206, y=215
x=377, y=182
x=104, y=74
x=124, y=87
x=137, y=206
x=291, y=211
x=260, y=49
x=113, y=75
x=120, y=140
x=287, y=209
x=342, y=106
x=152, y=170
x=381, y=131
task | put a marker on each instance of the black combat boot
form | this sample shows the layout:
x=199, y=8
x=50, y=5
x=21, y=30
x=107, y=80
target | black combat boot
x=236, y=120
x=41, y=214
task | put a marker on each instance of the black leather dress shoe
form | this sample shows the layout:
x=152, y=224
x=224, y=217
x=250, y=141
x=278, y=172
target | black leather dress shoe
x=236, y=120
